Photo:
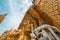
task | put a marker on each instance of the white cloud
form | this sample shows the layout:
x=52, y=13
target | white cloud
x=17, y=12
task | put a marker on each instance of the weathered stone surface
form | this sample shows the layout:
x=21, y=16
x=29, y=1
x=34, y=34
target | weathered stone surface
x=44, y=12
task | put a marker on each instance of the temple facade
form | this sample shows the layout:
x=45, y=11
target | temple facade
x=41, y=12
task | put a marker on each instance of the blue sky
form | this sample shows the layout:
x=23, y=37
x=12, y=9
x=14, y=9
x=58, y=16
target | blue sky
x=16, y=10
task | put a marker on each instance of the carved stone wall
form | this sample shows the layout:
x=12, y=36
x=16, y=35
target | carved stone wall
x=44, y=12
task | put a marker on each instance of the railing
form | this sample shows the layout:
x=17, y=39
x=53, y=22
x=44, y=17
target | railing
x=42, y=30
